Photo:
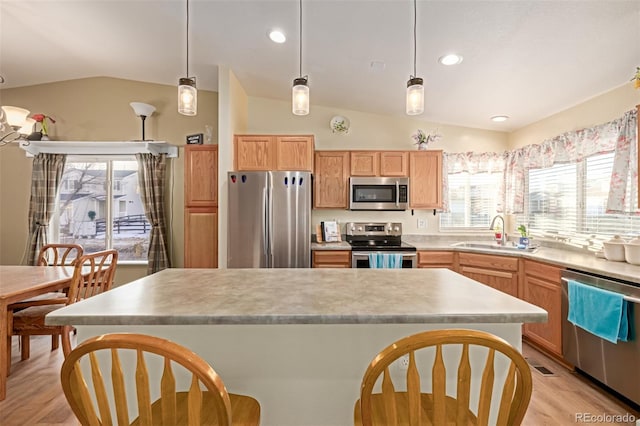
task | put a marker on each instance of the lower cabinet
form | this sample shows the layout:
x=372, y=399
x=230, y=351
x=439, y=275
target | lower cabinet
x=436, y=259
x=331, y=258
x=201, y=237
x=499, y=272
x=542, y=287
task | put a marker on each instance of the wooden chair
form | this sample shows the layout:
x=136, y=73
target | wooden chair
x=414, y=408
x=93, y=274
x=214, y=406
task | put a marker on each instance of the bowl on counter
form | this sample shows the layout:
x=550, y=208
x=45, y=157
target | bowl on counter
x=614, y=249
x=632, y=251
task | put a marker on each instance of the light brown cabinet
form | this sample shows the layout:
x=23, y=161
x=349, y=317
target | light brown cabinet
x=379, y=163
x=331, y=179
x=331, y=258
x=273, y=152
x=499, y=272
x=425, y=179
x=201, y=206
x=542, y=287
x=437, y=259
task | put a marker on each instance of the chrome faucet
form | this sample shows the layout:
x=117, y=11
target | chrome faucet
x=503, y=235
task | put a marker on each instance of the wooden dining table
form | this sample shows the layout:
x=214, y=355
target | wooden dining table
x=22, y=282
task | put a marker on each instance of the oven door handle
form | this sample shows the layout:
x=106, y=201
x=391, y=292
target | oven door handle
x=366, y=253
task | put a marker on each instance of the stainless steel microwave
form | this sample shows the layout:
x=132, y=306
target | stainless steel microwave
x=378, y=193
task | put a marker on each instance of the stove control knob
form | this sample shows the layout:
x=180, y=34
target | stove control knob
x=360, y=228
x=397, y=228
x=353, y=228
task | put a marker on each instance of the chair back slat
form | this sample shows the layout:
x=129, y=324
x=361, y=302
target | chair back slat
x=59, y=254
x=87, y=415
x=93, y=274
x=99, y=390
x=194, y=402
x=119, y=392
x=193, y=406
x=142, y=390
x=476, y=348
x=486, y=389
x=413, y=391
x=464, y=386
x=507, y=397
x=168, y=394
x=439, y=387
x=388, y=393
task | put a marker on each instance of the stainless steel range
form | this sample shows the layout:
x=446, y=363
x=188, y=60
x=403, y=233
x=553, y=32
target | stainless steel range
x=384, y=237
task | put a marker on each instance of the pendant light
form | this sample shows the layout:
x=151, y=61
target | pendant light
x=187, y=92
x=300, y=92
x=415, y=88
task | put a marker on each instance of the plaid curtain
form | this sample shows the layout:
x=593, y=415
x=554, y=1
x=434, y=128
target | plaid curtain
x=45, y=182
x=151, y=177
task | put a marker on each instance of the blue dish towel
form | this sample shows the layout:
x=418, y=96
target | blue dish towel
x=385, y=260
x=600, y=312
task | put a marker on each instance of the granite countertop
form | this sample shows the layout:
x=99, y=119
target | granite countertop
x=579, y=260
x=299, y=296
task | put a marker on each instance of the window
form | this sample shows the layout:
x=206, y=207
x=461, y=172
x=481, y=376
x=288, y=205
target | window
x=568, y=201
x=473, y=200
x=99, y=207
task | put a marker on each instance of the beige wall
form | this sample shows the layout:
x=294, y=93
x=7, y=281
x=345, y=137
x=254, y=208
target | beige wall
x=598, y=110
x=368, y=131
x=98, y=109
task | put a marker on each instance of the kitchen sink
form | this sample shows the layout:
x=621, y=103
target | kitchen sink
x=494, y=246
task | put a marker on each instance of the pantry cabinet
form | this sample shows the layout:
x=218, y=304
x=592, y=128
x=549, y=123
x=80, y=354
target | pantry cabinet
x=425, y=179
x=201, y=206
x=273, y=152
x=331, y=180
x=331, y=259
x=499, y=272
x=542, y=287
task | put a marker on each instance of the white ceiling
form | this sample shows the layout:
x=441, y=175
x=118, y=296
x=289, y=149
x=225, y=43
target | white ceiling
x=525, y=59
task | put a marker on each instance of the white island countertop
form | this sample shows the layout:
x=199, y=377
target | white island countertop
x=299, y=296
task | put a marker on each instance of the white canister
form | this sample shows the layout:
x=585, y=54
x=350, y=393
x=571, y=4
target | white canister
x=632, y=251
x=614, y=249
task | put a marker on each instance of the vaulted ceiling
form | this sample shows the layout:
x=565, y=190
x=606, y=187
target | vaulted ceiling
x=524, y=59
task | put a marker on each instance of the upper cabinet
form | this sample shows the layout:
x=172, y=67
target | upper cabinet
x=273, y=152
x=425, y=179
x=380, y=163
x=331, y=179
x=201, y=175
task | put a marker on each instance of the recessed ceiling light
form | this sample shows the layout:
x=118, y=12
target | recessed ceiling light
x=377, y=66
x=277, y=36
x=499, y=118
x=451, y=59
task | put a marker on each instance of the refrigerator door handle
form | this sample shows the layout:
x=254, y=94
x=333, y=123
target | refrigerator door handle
x=270, y=220
x=265, y=229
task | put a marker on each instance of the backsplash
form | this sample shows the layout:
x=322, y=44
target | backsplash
x=409, y=222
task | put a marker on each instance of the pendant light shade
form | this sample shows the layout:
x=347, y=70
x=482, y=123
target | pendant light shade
x=300, y=91
x=187, y=96
x=187, y=91
x=415, y=96
x=415, y=87
x=300, y=96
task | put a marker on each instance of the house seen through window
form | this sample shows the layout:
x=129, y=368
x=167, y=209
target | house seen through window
x=99, y=207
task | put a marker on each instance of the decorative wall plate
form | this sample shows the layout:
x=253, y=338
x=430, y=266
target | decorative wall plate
x=340, y=124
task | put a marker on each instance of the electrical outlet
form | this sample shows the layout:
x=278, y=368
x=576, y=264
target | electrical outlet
x=403, y=363
x=422, y=223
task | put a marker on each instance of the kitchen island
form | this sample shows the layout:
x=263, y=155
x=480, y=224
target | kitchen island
x=298, y=340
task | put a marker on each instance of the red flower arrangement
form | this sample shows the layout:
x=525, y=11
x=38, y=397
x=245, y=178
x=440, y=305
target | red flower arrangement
x=42, y=119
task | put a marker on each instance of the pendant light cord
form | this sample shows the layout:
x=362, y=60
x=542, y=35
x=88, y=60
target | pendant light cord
x=415, y=43
x=300, y=38
x=187, y=38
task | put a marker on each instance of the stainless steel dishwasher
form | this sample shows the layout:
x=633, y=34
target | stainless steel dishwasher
x=615, y=365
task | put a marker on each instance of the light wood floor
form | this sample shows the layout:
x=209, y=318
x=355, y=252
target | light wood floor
x=34, y=395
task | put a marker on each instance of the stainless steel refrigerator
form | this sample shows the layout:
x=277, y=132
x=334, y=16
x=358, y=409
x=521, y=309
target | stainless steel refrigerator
x=269, y=220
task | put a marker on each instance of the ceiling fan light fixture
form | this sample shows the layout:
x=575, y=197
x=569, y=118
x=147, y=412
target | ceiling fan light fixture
x=415, y=96
x=187, y=91
x=499, y=118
